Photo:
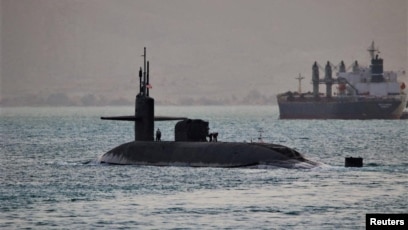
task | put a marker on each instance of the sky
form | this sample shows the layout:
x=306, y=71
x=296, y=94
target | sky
x=211, y=49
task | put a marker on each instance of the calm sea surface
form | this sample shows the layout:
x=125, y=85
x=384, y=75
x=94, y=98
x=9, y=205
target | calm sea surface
x=50, y=178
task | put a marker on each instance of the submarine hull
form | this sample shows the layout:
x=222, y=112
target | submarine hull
x=205, y=154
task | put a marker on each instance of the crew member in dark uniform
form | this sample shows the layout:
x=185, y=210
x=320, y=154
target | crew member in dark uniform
x=215, y=135
x=158, y=135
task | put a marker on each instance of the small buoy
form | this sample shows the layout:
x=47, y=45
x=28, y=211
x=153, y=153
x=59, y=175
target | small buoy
x=354, y=162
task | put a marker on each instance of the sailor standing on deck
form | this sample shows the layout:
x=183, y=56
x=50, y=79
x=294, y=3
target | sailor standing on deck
x=158, y=135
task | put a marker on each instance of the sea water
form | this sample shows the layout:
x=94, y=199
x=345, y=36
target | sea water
x=50, y=177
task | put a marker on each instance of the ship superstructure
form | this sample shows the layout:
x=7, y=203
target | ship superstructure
x=362, y=93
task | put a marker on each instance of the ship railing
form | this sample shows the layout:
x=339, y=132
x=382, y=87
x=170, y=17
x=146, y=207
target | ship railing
x=373, y=98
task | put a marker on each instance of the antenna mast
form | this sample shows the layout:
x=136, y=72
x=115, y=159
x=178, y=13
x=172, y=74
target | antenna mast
x=372, y=50
x=144, y=73
x=300, y=78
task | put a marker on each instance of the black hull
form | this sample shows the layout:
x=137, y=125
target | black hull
x=205, y=154
x=335, y=109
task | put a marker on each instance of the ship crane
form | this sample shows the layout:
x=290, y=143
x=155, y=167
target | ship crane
x=338, y=66
x=320, y=67
x=323, y=69
x=350, y=66
x=328, y=80
x=334, y=67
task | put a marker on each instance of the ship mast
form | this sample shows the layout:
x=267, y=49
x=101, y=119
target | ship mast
x=143, y=81
x=300, y=78
x=372, y=50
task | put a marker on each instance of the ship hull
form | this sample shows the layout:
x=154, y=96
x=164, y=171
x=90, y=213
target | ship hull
x=205, y=154
x=337, y=109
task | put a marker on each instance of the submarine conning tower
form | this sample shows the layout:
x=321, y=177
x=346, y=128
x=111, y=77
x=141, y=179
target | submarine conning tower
x=144, y=107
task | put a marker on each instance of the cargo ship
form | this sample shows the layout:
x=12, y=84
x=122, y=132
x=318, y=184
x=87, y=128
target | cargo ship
x=362, y=93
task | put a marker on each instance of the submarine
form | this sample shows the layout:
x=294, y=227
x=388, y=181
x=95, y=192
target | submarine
x=190, y=147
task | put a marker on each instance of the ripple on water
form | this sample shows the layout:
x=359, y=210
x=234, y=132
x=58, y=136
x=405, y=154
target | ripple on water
x=50, y=179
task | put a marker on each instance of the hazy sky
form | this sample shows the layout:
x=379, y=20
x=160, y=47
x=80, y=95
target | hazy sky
x=216, y=48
